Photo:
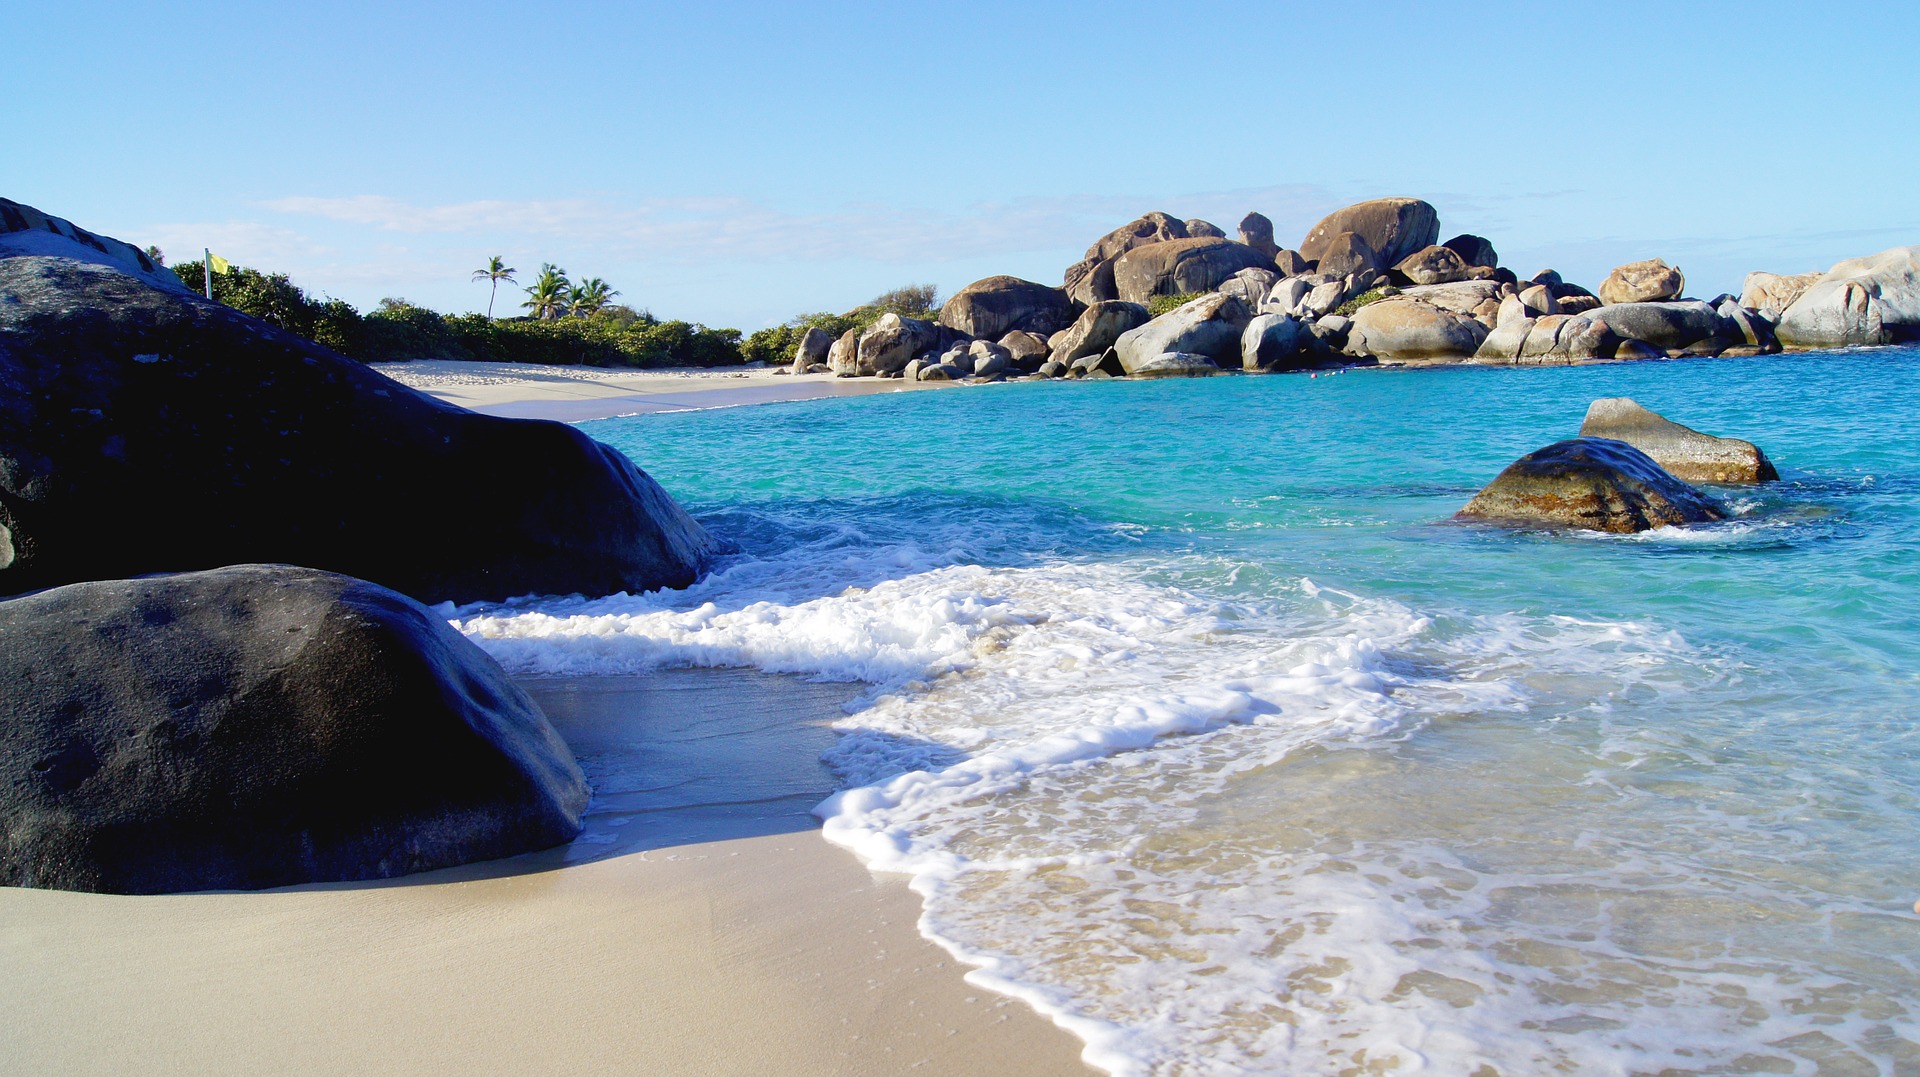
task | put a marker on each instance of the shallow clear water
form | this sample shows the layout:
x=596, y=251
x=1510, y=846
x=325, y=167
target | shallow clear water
x=1199, y=727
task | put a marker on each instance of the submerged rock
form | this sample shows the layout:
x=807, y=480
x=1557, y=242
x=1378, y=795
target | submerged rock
x=1684, y=452
x=145, y=429
x=261, y=725
x=1597, y=484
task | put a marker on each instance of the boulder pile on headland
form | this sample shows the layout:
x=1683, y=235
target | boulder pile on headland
x=1370, y=283
x=145, y=430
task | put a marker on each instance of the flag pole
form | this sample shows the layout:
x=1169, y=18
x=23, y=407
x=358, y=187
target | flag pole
x=208, y=264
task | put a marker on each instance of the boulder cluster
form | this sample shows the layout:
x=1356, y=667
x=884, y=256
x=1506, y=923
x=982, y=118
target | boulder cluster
x=186, y=708
x=1630, y=470
x=1371, y=283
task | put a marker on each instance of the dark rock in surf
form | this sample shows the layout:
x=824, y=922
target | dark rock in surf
x=1596, y=484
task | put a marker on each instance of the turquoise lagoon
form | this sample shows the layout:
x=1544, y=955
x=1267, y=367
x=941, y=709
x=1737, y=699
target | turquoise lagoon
x=1199, y=727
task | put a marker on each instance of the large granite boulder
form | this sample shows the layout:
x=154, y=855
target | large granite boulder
x=1474, y=250
x=1671, y=327
x=812, y=350
x=1275, y=342
x=1871, y=300
x=145, y=429
x=1200, y=229
x=1179, y=266
x=1549, y=339
x=1650, y=281
x=1096, y=329
x=996, y=306
x=1210, y=326
x=1684, y=452
x=1400, y=330
x=1091, y=279
x=843, y=357
x=261, y=725
x=1250, y=286
x=1432, y=265
x=888, y=345
x=1595, y=484
x=1175, y=365
x=1480, y=299
x=1349, y=254
x=1773, y=293
x=1392, y=227
x=1256, y=231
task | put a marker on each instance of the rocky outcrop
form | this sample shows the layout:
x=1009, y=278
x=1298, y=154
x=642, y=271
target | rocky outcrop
x=1479, y=299
x=1175, y=365
x=1595, y=484
x=1027, y=350
x=27, y=231
x=260, y=725
x=1872, y=300
x=1199, y=229
x=812, y=350
x=1552, y=338
x=1651, y=281
x=843, y=358
x=996, y=306
x=1684, y=452
x=1250, y=286
x=1210, y=326
x=1090, y=280
x=1392, y=227
x=1256, y=231
x=1289, y=263
x=1671, y=327
x=1096, y=330
x=1772, y=293
x=1432, y=265
x=1399, y=330
x=144, y=429
x=1179, y=266
x=890, y=343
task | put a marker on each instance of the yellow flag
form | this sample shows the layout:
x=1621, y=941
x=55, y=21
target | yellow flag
x=218, y=264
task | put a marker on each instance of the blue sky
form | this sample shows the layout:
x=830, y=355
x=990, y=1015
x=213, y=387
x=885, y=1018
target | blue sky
x=736, y=164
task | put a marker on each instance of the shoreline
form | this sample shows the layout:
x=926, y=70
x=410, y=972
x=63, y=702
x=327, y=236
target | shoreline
x=703, y=930
x=576, y=394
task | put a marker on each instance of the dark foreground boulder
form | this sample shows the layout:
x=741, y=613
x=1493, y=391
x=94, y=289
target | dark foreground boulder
x=260, y=725
x=1684, y=452
x=144, y=429
x=1593, y=483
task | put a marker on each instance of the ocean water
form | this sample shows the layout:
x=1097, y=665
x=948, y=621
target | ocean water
x=1200, y=728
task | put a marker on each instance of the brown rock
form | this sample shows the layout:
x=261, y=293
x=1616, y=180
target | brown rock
x=1651, y=281
x=1392, y=227
x=1596, y=484
x=1686, y=453
x=1181, y=265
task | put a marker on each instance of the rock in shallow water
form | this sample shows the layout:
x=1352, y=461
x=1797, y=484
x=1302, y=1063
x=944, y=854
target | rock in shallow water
x=1597, y=484
x=260, y=725
x=1684, y=452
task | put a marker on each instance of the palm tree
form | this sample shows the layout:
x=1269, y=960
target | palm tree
x=547, y=298
x=590, y=297
x=497, y=270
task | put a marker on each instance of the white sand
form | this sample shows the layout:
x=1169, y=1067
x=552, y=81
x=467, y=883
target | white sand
x=573, y=394
x=769, y=954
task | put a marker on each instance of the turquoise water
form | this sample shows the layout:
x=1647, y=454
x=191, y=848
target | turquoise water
x=1200, y=728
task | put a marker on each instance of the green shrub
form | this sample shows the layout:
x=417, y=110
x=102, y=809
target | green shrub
x=1363, y=299
x=1161, y=304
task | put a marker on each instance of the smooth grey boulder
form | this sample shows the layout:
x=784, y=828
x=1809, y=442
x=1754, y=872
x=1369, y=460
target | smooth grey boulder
x=996, y=306
x=1595, y=484
x=1670, y=327
x=1026, y=350
x=1276, y=342
x=1432, y=265
x=938, y=372
x=1097, y=328
x=1175, y=365
x=1256, y=231
x=1289, y=263
x=1349, y=253
x=1480, y=299
x=1392, y=227
x=1180, y=266
x=1773, y=293
x=145, y=429
x=1322, y=299
x=1552, y=338
x=1649, y=281
x=812, y=350
x=1473, y=250
x=1539, y=301
x=1209, y=326
x=1199, y=229
x=256, y=726
x=1871, y=300
x=1398, y=330
x=1286, y=295
x=1754, y=330
x=1090, y=280
x=1684, y=452
x=1250, y=286
x=890, y=343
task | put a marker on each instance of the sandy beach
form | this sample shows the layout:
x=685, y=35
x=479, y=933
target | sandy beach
x=575, y=394
x=722, y=936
